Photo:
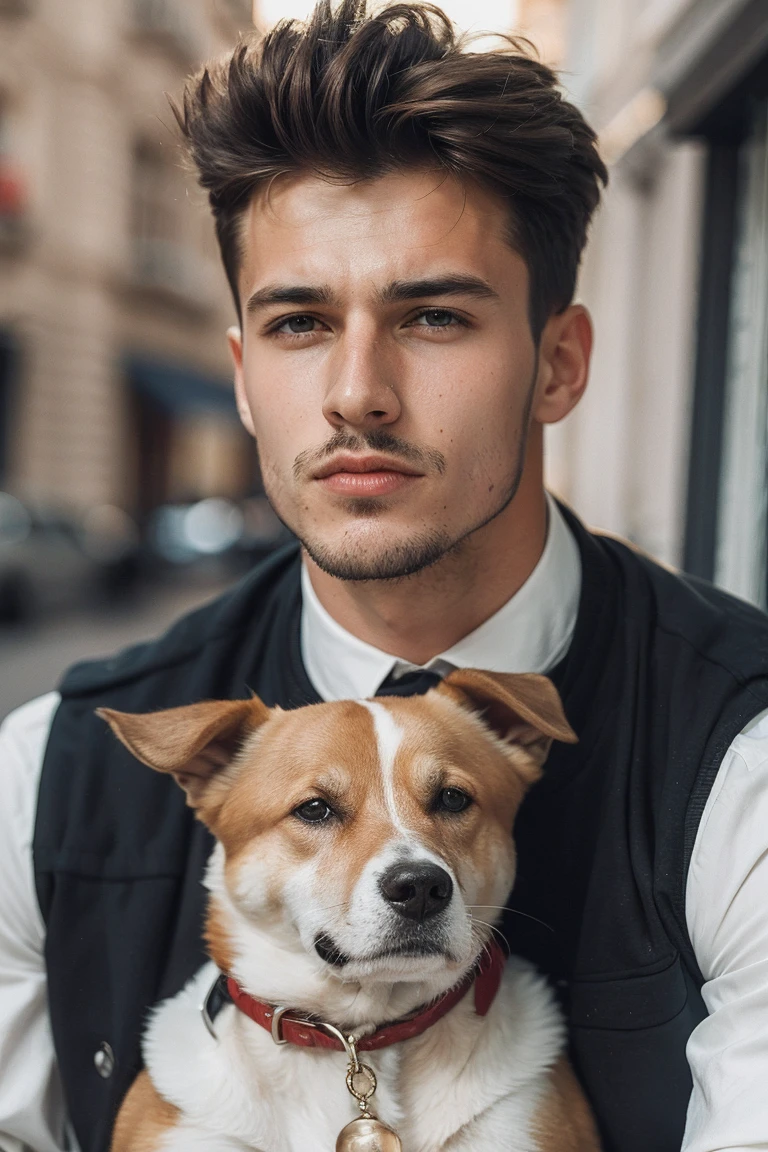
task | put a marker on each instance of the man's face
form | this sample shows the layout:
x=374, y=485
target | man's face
x=386, y=365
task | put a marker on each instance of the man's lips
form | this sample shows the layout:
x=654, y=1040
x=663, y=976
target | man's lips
x=363, y=464
x=365, y=475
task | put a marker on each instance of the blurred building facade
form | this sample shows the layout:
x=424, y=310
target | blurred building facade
x=114, y=379
x=545, y=24
x=670, y=446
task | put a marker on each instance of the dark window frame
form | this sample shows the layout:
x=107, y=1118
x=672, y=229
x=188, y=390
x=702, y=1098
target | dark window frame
x=9, y=373
x=724, y=128
x=713, y=323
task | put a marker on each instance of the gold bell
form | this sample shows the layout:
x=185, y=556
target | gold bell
x=368, y=1135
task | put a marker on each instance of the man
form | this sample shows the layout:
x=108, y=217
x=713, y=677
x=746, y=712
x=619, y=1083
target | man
x=401, y=223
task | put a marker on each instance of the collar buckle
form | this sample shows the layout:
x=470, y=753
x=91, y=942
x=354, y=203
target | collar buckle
x=280, y=1011
x=215, y=999
x=277, y=1021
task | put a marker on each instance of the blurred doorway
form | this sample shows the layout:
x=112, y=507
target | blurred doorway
x=188, y=442
x=151, y=450
x=8, y=374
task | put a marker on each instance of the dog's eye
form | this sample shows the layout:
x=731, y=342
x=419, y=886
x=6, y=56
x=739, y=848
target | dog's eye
x=313, y=811
x=453, y=800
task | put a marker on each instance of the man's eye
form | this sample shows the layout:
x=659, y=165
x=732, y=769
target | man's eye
x=313, y=811
x=298, y=325
x=436, y=318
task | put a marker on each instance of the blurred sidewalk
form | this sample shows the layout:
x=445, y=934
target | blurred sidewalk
x=32, y=659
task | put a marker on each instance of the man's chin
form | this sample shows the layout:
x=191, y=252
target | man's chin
x=380, y=559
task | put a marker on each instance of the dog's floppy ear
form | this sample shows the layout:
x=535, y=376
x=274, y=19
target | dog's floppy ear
x=523, y=709
x=193, y=743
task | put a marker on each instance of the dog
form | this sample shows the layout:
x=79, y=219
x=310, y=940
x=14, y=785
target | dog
x=363, y=851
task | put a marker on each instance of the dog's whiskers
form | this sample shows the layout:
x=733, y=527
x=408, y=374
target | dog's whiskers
x=493, y=930
x=333, y=907
x=514, y=911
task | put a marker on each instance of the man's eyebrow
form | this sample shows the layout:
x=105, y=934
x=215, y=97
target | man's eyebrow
x=305, y=295
x=298, y=294
x=458, y=284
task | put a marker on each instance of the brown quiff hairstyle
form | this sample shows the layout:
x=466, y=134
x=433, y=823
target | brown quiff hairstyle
x=350, y=96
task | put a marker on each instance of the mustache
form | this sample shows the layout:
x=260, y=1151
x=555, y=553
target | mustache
x=378, y=440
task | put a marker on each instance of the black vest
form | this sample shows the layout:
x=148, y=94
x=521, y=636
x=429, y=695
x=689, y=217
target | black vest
x=662, y=674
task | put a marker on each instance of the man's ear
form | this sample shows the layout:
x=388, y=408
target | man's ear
x=565, y=350
x=235, y=341
x=194, y=743
x=523, y=709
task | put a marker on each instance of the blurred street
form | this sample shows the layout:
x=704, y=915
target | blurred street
x=122, y=455
x=32, y=659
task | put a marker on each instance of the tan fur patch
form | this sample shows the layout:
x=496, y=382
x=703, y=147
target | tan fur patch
x=143, y=1119
x=327, y=751
x=564, y=1122
x=295, y=755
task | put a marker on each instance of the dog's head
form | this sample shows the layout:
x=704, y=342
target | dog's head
x=373, y=835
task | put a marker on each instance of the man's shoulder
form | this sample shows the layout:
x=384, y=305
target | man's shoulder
x=216, y=621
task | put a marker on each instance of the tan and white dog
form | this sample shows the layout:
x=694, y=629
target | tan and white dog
x=364, y=849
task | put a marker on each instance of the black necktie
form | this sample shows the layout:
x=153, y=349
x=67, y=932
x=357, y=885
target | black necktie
x=409, y=684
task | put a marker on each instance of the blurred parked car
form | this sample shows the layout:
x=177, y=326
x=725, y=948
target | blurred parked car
x=50, y=561
x=215, y=530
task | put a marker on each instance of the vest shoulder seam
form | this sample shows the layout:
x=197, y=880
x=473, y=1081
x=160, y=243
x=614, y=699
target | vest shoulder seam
x=743, y=679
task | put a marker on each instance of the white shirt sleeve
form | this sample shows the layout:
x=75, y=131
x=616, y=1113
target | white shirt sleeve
x=727, y=916
x=32, y=1113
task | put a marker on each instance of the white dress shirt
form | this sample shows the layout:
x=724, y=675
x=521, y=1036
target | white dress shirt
x=726, y=899
x=530, y=633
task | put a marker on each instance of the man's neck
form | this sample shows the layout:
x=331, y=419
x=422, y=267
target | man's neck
x=420, y=616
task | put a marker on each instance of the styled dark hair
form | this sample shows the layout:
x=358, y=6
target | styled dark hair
x=350, y=96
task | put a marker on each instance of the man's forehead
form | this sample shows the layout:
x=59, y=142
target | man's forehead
x=399, y=226
x=301, y=200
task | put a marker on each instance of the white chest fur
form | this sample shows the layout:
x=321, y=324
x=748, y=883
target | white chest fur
x=254, y=1095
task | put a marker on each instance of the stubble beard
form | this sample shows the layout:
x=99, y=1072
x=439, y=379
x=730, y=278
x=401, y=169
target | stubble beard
x=358, y=563
x=397, y=562
x=423, y=550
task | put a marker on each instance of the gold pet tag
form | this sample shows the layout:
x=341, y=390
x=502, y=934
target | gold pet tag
x=366, y=1134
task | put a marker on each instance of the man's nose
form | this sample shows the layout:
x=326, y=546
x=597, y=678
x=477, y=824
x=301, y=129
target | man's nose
x=361, y=392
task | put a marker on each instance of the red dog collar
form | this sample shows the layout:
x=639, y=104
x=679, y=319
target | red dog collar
x=288, y=1029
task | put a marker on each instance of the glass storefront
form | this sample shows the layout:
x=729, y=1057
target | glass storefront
x=727, y=508
x=740, y=558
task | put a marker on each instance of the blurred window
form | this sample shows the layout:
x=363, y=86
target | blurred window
x=15, y=7
x=173, y=23
x=242, y=10
x=13, y=193
x=740, y=562
x=727, y=513
x=165, y=257
x=153, y=207
x=8, y=373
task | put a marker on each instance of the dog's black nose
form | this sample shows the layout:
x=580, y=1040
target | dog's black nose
x=416, y=891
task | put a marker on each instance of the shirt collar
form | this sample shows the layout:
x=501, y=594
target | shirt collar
x=530, y=633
